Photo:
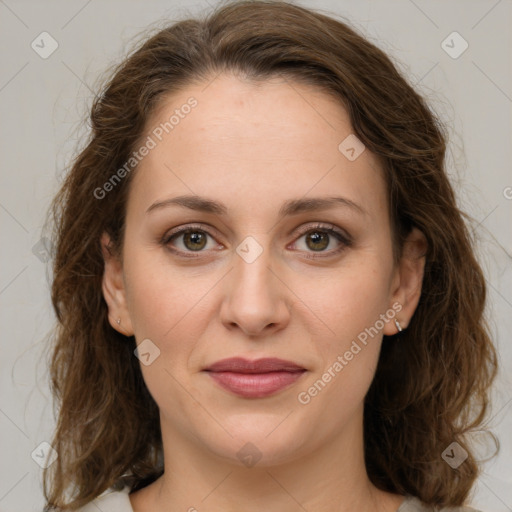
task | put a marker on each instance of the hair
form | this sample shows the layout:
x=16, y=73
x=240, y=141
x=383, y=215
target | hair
x=432, y=382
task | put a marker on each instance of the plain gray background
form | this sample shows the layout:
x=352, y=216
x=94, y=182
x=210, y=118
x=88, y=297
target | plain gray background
x=44, y=103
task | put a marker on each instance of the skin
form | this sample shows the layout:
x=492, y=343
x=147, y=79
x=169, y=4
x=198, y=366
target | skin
x=252, y=147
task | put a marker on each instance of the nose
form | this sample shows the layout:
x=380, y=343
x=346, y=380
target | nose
x=256, y=298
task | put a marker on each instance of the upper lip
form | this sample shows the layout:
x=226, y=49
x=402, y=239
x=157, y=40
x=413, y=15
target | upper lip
x=264, y=365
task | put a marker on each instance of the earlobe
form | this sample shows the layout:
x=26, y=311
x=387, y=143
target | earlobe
x=408, y=280
x=114, y=290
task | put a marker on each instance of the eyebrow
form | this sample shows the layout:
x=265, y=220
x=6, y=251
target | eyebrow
x=290, y=207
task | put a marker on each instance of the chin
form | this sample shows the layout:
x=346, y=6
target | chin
x=259, y=440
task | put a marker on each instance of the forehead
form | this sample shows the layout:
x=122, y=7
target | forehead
x=254, y=142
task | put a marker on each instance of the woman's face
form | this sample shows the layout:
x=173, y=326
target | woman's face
x=258, y=275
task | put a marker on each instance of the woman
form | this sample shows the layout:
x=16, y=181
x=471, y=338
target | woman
x=266, y=294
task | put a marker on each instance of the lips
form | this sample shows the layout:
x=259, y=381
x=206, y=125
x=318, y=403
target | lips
x=254, y=379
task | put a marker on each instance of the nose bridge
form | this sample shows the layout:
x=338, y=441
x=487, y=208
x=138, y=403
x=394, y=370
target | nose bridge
x=255, y=298
x=252, y=262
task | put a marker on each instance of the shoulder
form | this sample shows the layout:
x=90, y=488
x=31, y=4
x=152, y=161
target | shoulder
x=111, y=501
x=412, y=504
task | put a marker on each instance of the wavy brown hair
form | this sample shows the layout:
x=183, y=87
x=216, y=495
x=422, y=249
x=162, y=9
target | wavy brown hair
x=432, y=383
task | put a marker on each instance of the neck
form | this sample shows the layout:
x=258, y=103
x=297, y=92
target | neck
x=332, y=476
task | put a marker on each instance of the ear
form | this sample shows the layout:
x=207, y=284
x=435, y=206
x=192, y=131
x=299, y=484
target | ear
x=114, y=290
x=407, y=280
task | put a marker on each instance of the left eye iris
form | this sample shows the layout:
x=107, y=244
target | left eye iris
x=319, y=240
x=194, y=240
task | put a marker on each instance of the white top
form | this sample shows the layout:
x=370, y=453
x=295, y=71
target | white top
x=118, y=501
x=110, y=501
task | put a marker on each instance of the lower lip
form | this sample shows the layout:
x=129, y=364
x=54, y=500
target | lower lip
x=255, y=385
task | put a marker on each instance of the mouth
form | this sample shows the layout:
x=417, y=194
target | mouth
x=254, y=379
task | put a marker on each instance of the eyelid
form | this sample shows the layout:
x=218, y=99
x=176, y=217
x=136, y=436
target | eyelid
x=325, y=226
x=187, y=227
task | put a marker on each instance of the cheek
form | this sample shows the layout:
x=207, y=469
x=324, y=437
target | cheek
x=350, y=308
x=159, y=296
x=348, y=356
x=166, y=305
x=350, y=300
x=162, y=306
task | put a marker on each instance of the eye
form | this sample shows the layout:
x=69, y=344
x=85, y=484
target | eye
x=319, y=237
x=193, y=239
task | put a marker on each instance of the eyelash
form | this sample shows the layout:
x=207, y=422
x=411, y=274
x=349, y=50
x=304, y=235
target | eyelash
x=344, y=239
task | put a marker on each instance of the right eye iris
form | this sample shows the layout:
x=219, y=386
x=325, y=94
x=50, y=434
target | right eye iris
x=197, y=240
x=319, y=239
